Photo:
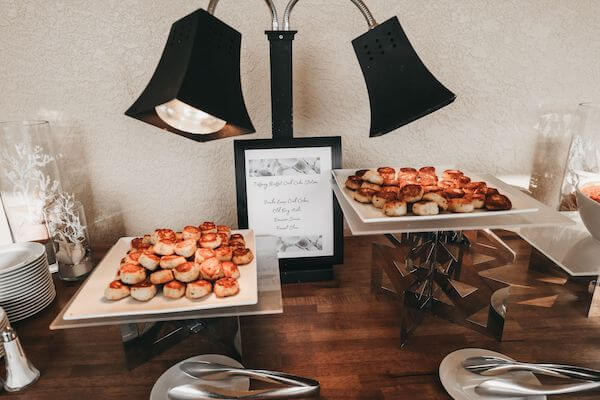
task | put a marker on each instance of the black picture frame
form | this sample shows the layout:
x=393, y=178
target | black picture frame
x=304, y=268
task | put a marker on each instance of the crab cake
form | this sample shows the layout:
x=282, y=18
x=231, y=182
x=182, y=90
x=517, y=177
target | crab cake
x=191, y=232
x=162, y=234
x=174, y=290
x=133, y=257
x=162, y=276
x=226, y=287
x=165, y=247
x=353, y=182
x=208, y=227
x=138, y=244
x=230, y=270
x=369, y=185
x=224, y=229
x=186, y=248
x=373, y=177
x=242, y=256
x=186, y=272
x=461, y=205
x=380, y=198
x=364, y=195
x=211, y=269
x=143, y=291
x=170, y=262
x=425, y=208
x=477, y=199
x=210, y=241
x=411, y=193
x=132, y=273
x=149, y=261
x=203, y=255
x=497, y=202
x=224, y=253
x=440, y=200
x=116, y=290
x=198, y=289
x=395, y=208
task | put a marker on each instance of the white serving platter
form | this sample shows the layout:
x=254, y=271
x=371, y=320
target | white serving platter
x=90, y=303
x=370, y=214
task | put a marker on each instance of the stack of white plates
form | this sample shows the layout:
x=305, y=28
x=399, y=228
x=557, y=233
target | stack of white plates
x=26, y=285
x=3, y=324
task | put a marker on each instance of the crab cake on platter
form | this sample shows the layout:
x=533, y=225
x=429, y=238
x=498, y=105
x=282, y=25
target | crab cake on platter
x=162, y=276
x=174, y=290
x=210, y=241
x=132, y=273
x=165, y=247
x=230, y=270
x=186, y=248
x=211, y=269
x=226, y=287
x=149, y=261
x=224, y=253
x=198, y=289
x=116, y=290
x=395, y=208
x=242, y=256
x=170, y=262
x=143, y=291
x=191, y=232
x=203, y=255
x=187, y=272
x=461, y=205
x=425, y=208
x=162, y=234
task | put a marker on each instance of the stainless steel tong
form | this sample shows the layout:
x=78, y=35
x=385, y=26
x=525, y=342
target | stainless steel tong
x=496, y=366
x=296, y=386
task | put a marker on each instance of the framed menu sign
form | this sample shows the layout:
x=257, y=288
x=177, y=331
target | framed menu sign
x=284, y=190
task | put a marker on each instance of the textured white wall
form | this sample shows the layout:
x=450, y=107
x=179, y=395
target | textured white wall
x=81, y=63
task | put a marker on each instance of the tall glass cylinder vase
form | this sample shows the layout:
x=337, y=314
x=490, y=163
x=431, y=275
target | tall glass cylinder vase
x=29, y=179
x=584, y=154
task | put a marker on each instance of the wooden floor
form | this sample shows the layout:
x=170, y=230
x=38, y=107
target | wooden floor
x=336, y=332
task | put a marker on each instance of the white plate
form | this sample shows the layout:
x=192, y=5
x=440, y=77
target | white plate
x=35, y=274
x=22, y=315
x=16, y=255
x=31, y=303
x=370, y=214
x=460, y=383
x=90, y=301
x=23, y=269
x=21, y=298
x=175, y=377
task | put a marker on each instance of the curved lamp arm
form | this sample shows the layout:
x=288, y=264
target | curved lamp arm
x=275, y=21
x=358, y=3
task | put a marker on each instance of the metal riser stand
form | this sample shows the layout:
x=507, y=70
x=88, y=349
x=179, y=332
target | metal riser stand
x=425, y=273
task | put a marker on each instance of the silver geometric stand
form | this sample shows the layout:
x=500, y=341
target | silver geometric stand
x=428, y=272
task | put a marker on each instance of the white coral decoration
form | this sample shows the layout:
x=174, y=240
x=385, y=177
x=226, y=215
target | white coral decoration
x=31, y=186
x=67, y=229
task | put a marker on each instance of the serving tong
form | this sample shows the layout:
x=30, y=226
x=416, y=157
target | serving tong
x=497, y=366
x=293, y=386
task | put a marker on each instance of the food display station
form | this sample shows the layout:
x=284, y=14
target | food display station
x=437, y=270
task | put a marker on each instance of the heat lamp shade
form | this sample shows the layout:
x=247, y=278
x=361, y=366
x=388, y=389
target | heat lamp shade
x=200, y=71
x=401, y=88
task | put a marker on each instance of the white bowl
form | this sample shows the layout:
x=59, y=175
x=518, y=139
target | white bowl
x=589, y=209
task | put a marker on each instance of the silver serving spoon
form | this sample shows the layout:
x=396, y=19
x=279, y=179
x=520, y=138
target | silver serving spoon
x=207, y=392
x=213, y=371
x=502, y=387
x=494, y=366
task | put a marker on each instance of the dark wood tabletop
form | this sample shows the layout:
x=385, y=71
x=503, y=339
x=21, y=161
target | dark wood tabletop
x=337, y=332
